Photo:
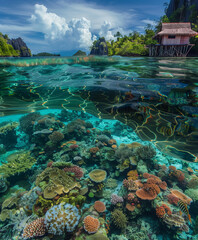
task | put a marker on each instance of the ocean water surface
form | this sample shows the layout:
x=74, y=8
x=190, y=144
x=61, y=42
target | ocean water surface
x=99, y=147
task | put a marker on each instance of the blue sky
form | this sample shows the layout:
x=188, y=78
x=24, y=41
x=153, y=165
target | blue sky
x=64, y=26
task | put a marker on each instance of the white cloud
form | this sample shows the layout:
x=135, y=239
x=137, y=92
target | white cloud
x=74, y=34
x=148, y=21
x=106, y=32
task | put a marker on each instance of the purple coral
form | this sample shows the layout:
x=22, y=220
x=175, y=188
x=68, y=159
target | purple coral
x=116, y=199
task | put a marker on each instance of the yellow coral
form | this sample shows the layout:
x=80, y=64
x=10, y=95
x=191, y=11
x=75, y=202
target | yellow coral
x=17, y=163
x=55, y=181
x=8, y=127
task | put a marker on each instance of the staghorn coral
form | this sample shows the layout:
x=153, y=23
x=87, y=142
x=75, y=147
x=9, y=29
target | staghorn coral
x=36, y=228
x=98, y=175
x=119, y=219
x=55, y=181
x=91, y=224
x=99, y=206
x=61, y=218
x=17, y=163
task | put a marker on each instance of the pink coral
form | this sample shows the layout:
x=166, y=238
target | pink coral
x=76, y=170
x=36, y=228
x=116, y=199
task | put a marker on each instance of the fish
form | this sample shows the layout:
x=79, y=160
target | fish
x=184, y=209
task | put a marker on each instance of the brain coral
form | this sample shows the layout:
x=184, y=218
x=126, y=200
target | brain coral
x=34, y=229
x=91, y=224
x=98, y=175
x=62, y=217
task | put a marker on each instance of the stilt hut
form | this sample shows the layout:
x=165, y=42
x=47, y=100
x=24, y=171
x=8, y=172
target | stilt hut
x=174, y=40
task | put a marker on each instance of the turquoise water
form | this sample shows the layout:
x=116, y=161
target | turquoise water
x=86, y=129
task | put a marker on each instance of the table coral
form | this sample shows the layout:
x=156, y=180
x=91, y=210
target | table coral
x=98, y=175
x=56, y=182
x=181, y=196
x=148, y=192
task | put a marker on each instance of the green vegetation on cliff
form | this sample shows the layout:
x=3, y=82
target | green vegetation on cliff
x=7, y=50
x=132, y=45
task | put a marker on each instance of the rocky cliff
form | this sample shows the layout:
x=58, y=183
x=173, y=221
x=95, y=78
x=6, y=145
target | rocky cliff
x=99, y=47
x=182, y=10
x=19, y=44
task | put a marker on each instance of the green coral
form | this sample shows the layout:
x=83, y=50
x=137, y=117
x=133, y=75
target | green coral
x=119, y=219
x=17, y=163
x=8, y=127
x=42, y=204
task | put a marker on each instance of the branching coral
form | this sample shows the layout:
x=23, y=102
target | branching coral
x=27, y=122
x=34, y=229
x=17, y=163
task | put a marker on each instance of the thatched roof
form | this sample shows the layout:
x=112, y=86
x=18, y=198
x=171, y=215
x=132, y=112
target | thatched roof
x=177, y=29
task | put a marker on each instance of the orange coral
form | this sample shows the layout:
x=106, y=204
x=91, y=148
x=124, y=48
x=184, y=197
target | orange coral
x=181, y=196
x=148, y=192
x=130, y=207
x=163, y=185
x=91, y=224
x=132, y=175
x=114, y=146
x=94, y=150
x=112, y=141
x=99, y=206
x=160, y=212
x=172, y=168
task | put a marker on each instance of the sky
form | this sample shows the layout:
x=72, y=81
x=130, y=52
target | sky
x=65, y=26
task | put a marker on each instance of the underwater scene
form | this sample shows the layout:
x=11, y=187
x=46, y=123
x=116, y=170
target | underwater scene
x=99, y=148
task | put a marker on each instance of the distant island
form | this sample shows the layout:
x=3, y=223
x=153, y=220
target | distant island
x=80, y=53
x=45, y=54
x=13, y=47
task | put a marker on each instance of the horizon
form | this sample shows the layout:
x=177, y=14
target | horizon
x=64, y=27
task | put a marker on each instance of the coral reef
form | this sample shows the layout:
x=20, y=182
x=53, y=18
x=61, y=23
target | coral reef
x=91, y=224
x=61, y=218
x=36, y=228
x=17, y=163
x=119, y=219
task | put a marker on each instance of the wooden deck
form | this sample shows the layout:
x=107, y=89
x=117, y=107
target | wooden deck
x=179, y=50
